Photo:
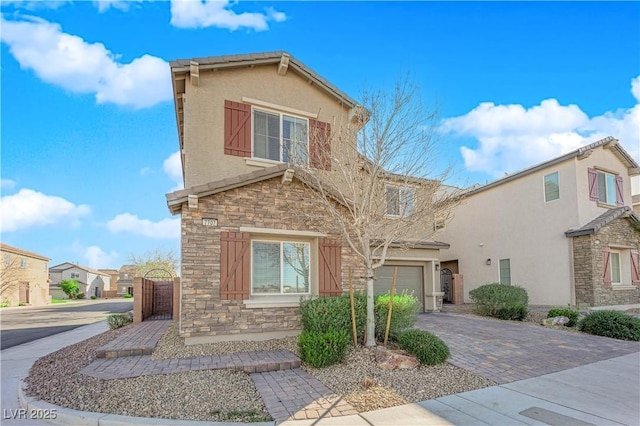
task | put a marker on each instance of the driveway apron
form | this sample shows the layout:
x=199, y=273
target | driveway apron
x=504, y=352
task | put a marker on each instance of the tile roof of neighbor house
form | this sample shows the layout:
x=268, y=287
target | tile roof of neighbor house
x=249, y=59
x=73, y=265
x=609, y=141
x=603, y=220
x=11, y=249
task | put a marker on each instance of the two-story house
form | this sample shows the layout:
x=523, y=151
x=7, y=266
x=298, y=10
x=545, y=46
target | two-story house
x=248, y=254
x=92, y=282
x=563, y=229
x=24, y=277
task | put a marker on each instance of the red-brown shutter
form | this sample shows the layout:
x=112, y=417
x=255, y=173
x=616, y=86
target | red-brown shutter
x=330, y=267
x=237, y=129
x=606, y=277
x=619, y=193
x=235, y=259
x=593, y=185
x=635, y=267
x=319, y=144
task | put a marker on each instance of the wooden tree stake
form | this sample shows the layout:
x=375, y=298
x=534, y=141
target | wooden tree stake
x=393, y=291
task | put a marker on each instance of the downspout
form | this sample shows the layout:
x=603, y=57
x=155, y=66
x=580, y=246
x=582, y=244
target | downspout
x=572, y=275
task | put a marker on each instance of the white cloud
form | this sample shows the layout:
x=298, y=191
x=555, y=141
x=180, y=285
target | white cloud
x=172, y=166
x=512, y=137
x=98, y=258
x=126, y=222
x=28, y=208
x=78, y=66
x=635, y=88
x=7, y=183
x=122, y=5
x=219, y=13
x=146, y=171
x=34, y=5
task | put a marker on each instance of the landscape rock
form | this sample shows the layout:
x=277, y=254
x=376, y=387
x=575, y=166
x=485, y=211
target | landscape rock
x=547, y=322
x=395, y=360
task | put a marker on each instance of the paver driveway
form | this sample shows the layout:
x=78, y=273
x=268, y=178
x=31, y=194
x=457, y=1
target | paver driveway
x=505, y=352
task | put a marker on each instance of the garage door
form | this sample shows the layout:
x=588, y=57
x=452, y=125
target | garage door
x=409, y=279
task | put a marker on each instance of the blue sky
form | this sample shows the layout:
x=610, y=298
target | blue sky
x=88, y=128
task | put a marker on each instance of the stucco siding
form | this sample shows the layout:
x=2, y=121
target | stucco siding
x=204, y=114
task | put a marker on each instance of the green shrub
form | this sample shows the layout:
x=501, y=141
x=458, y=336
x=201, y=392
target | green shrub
x=403, y=316
x=508, y=302
x=70, y=287
x=80, y=296
x=427, y=347
x=118, y=320
x=127, y=296
x=93, y=298
x=5, y=303
x=564, y=312
x=321, y=349
x=324, y=314
x=615, y=324
x=21, y=304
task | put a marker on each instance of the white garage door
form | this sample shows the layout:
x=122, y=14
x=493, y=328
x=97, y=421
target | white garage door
x=409, y=279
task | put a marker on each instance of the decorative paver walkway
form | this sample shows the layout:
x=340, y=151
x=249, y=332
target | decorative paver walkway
x=143, y=365
x=505, y=352
x=297, y=395
x=140, y=339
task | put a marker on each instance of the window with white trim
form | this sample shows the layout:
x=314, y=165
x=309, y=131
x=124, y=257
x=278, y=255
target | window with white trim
x=399, y=200
x=505, y=271
x=551, y=187
x=7, y=260
x=280, y=137
x=23, y=262
x=75, y=275
x=607, y=188
x=616, y=274
x=280, y=267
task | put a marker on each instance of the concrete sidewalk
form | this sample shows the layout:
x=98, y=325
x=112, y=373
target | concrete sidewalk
x=602, y=393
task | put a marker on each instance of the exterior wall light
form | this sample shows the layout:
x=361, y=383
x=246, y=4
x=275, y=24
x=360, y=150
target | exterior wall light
x=488, y=262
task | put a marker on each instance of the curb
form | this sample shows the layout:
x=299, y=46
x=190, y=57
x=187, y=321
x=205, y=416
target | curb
x=67, y=416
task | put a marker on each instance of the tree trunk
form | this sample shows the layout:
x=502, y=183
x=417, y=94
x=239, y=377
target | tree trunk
x=371, y=322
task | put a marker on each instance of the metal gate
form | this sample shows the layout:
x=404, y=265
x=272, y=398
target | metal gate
x=162, y=300
x=446, y=282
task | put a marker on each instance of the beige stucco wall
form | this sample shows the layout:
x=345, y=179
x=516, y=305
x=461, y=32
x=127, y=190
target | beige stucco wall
x=513, y=221
x=36, y=274
x=205, y=160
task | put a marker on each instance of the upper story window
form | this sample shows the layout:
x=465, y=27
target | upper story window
x=551, y=187
x=399, y=200
x=23, y=262
x=280, y=267
x=605, y=187
x=75, y=275
x=7, y=260
x=505, y=271
x=280, y=137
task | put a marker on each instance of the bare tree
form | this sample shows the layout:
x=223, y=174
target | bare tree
x=383, y=189
x=164, y=264
x=9, y=277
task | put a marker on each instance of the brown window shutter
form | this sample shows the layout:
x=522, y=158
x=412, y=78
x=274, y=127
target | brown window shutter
x=319, y=144
x=593, y=185
x=237, y=129
x=235, y=259
x=606, y=277
x=330, y=267
x=635, y=267
x=619, y=192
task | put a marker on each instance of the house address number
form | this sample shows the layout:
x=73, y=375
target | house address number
x=210, y=222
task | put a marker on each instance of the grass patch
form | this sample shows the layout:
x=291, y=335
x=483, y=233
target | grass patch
x=54, y=301
x=251, y=416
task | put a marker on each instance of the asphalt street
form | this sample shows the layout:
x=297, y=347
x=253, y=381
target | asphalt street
x=26, y=324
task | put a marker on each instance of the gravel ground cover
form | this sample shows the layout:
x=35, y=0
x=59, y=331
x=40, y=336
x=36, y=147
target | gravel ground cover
x=224, y=395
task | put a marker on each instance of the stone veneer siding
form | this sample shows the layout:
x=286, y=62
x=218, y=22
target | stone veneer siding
x=589, y=265
x=268, y=204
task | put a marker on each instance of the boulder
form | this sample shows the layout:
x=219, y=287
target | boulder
x=395, y=360
x=555, y=321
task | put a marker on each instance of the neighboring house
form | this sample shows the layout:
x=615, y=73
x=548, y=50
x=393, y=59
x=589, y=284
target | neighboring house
x=247, y=254
x=114, y=274
x=126, y=274
x=563, y=229
x=635, y=200
x=92, y=282
x=24, y=277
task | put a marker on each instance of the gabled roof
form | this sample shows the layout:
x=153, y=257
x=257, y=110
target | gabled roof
x=72, y=265
x=583, y=152
x=603, y=220
x=15, y=250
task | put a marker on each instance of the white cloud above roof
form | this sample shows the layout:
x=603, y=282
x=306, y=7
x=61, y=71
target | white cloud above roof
x=78, y=66
x=512, y=137
x=98, y=258
x=163, y=229
x=29, y=209
x=220, y=14
x=172, y=166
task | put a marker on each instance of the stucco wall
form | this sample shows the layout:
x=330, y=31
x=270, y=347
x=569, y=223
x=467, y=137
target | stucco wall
x=204, y=114
x=36, y=274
